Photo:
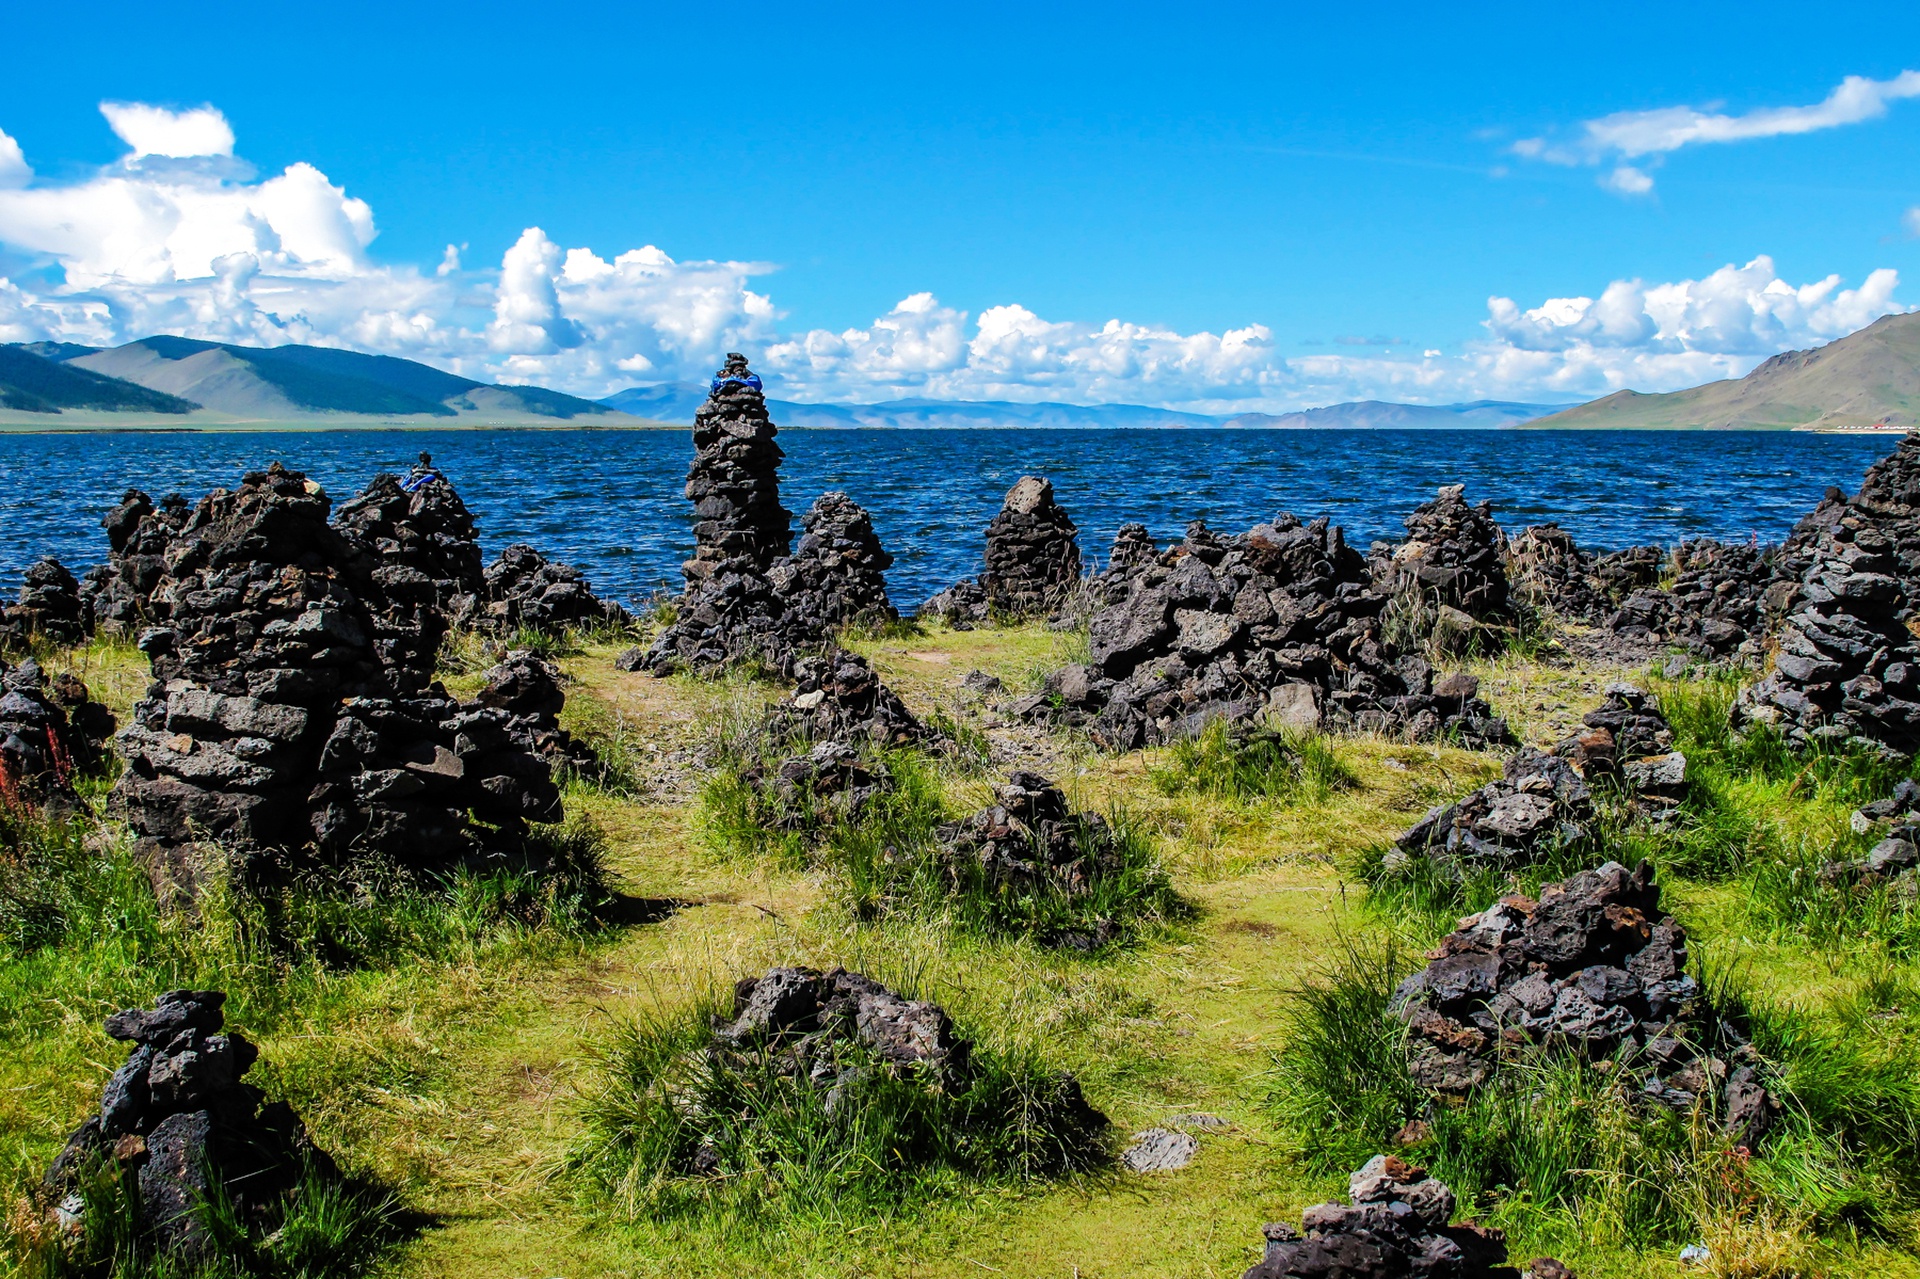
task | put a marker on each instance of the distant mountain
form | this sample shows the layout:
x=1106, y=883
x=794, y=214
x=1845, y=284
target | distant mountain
x=1377, y=414
x=30, y=382
x=676, y=402
x=289, y=383
x=1869, y=378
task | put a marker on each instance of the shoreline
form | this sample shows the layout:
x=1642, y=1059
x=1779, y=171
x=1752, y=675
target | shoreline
x=313, y=427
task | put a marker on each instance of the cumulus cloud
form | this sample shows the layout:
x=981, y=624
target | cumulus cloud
x=178, y=236
x=1636, y=135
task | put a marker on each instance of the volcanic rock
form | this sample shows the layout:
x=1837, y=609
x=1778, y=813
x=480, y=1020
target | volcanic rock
x=417, y=559
x=1629, y=741
x=1553, y=573
x=48, y=735
x=528, y=688
x=1715, y=606
x=837, y=697
x=50, y=606
x=1594, y=967
x=1454, y=557
x=836, y=575
x=1033, y=561
x=525, y=590
x=178, y=1120
x=118, y=593
x=1846, y=668
x=733, y=483
x=1396, y=1227
x=830, y=784
x=1540, y=804
x=1280, y=620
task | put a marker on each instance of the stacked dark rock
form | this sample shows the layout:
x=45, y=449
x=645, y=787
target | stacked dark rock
x=177, y=1121
x=1889, y=500
x=1714, y=606
x=118, y=593
x=273, y=724
x=417, y=559
x=836, y=575
x=1133, y=547
x=1454, y=557
x=524, y=589
x=1594, y=967
x=1619, y=574
x=1539, y=805
x=48, y=735
x=830, y=784
x=50, y=607
x=1398, y=1226
x=1629, y=741
x=733, y=617
x=1281, y=622
x=1847, y=669
x=528, y=688
x=1030, y=839
x=837, y=697
x=734, y=481
x=1033, y=561
x=1551, y=572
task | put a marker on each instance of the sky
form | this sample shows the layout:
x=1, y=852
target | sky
x=1218, y=208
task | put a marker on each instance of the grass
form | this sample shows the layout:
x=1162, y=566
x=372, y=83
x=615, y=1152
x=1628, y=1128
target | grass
x=1247, y=766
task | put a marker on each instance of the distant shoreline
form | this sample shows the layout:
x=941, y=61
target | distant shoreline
x=254, y=428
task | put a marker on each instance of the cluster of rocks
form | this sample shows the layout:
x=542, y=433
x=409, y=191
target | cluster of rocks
x=273, y=724
x=1550, y=571
x=1888, y=500
x=1846, y=669
x=1629, y=742
x=833, y=1031
x=50, y=732
x=829, y=784
x=1398, y=1225
x=1281, y=621
x=747, y=598
x=1538, y=806
x=1033, y=561
x=1594, y=967
x=837, y=697
x=524, y=590
x=1894, y=860
x=50, y=607
x=416, y=556
x=1453, y=566
x=1029, y=839
x=528, y=689
x=119, y=592
x=1715, y=605
x=178, y=1122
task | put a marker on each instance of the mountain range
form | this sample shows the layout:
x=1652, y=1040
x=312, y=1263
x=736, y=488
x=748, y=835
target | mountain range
x=183, y=382
x=1866, y=379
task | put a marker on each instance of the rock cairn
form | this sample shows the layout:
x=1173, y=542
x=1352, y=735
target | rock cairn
x=1715, y=605
x=528, y=688
x=524, y=589
x=119, y=592
x=1398, y=1225
x=49, y=734
x=1133, y=548
x=1894, y=860
x=830, y=784
x=1033, y=561
x=1889, y=500
x=735, y=616
x=1454, y=557
x=836, y=574
x=177, y=1120
x=273, y=725
x=1280, y=621
x=1847, y=670
x=1551, y=572
x=1539, y=805
x=50, y=606
x=734, y=482
x=1029, y=839
x=837, y=697
x=417, y=556
x=1594, y=967
x=1629, y=742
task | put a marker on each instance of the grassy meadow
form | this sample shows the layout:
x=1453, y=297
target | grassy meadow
x=470, y=1047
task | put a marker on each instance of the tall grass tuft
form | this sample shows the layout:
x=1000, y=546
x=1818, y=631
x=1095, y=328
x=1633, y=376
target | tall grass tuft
x=671, y=1133
x=1260, y=765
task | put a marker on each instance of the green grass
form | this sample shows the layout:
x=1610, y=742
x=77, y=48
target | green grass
x=1249, y=766
x=669, y=1132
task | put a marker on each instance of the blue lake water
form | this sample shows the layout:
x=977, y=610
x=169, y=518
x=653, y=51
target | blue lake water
x=611, y=502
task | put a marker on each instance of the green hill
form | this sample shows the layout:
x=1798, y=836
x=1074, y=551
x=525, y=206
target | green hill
x=32, y=383
x=1866, y=379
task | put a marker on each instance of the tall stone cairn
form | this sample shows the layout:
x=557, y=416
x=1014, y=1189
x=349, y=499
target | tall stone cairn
x=837, y=573
x=1033, y=561
x=1454, y=556
x=1846, y=670
x=734, y=482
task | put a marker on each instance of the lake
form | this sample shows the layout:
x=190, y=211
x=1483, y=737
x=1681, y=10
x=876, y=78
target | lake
x=611, y=503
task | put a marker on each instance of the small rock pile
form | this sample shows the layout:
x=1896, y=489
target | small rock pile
x=1279, y=621
x=118, y=593
x=1594, y=966
x=1033, y=561
x=1398, y=1226
x=734, y=482
x=1895, y=858
x=50, y=606
x=524, y=589
x=273, y=725
x=1552, y=572
x=831, y=784
x=177, y=1120
x=1714, y=606
x=836, y=575
x=1454, y=557
x=1539, y=805
x=48, y=734
x=837, y=697
x=417, y=557
x=528, y=689
x=1847, y=670
x=1629, y=741
x=736, y=615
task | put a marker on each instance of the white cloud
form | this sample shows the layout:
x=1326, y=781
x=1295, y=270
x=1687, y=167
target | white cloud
x=195, y=245
x=151, y=130
x=1634, y=135
x=13, y=164
x=1912, y=221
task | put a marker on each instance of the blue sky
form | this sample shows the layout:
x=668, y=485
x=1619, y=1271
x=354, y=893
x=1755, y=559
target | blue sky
x=1291, y=175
